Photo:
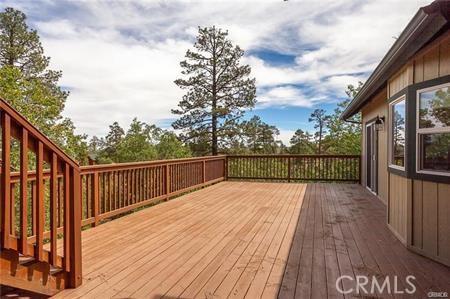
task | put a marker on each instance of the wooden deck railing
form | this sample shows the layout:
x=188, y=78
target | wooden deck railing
x=113, y=189
x=295, y=167
x=42, y=198
x=55, y=197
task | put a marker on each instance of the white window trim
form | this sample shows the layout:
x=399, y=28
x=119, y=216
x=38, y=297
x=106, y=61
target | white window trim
x=391, y=140
x=427, y=131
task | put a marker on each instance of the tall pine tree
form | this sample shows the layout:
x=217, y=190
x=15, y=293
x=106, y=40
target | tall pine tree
x=320, y=120
x=30, y=87
x=218, y=88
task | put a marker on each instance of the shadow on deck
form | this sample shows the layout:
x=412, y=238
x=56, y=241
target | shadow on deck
x=238, y=239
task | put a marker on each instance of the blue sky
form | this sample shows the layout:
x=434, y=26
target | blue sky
x=120, y=58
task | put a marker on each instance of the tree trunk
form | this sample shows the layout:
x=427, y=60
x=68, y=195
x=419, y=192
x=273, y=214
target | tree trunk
x=320, y=140
x=214, y=132
x=214, y=105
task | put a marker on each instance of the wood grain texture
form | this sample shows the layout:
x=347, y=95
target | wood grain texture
x=249, y=240
x=398, y=195
x=350, y=222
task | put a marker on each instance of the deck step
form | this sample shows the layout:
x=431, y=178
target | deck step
x=55, y=270
x=25, y=260
x=26, y=273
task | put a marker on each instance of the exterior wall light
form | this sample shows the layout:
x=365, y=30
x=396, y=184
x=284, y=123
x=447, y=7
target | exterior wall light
x=379, y=123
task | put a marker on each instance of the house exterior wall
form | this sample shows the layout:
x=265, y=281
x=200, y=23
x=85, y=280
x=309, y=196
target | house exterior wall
x=377, y=107
x=418, y=210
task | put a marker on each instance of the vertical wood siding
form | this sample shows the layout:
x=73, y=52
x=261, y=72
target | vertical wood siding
x=431, y=219
x=398, y=195
x=429, y=211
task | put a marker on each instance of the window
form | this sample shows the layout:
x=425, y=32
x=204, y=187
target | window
x=397, y=111
x=433, y=130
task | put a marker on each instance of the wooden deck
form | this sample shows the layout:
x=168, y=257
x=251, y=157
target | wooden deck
x=239, y=239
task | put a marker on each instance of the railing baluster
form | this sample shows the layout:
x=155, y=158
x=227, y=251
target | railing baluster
x=53, y=210
x=40, y=211
x=12, y=209
x=95, y=197
x=24, y=192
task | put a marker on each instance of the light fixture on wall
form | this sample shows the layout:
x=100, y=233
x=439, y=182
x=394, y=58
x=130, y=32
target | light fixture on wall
x=379, y=123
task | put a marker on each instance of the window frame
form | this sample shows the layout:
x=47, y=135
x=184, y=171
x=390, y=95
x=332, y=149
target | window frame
x=424, y=131
x=392, y=103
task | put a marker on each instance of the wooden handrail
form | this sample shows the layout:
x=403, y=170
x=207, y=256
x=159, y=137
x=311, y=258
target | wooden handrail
x=22, y=122
x=63, y=177
x=134, y=165
x=113, y=189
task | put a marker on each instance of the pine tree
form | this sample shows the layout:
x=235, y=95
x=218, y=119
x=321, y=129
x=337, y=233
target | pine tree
x=30, y=87
x=259, y=136
x=344, y=137
x=301, y=143
x=320, y=120
x=218, y=88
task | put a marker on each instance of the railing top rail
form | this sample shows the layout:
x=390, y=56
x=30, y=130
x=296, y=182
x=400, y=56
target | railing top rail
x=131, y=165
x=22, y=121
x=291, y=156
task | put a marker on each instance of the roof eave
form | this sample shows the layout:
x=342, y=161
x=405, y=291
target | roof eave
x=422, y=27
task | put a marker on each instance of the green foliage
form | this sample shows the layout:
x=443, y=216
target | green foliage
x=141, y=142
x=333, y=135
x=302, y=143
x=320, y=120
x=259, y=137
x=218, y=90
x=112, y=142
x=138, y=143
x=32, y=89
x=170, y=147
x=344, y=137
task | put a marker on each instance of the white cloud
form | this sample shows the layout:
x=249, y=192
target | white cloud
x=285, y=136
x=286, y=96
x=120, y=58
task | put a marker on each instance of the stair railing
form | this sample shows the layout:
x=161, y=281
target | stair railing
x=43, y=199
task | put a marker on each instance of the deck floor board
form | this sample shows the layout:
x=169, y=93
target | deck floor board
x=249, y=240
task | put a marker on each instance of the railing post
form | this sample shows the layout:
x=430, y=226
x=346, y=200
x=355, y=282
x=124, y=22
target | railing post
x=225, y=168
x=75, y=229
x=204, y=171
x=167, y=181
x=95, y=197
x=289, y=169
x=6, y=179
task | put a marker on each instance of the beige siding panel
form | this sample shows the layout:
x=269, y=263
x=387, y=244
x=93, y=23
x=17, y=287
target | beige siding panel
x=444, y=221
x=409, y=78
x=444, y=59
x=418, y=70
x=431, y=64
x=397, y=204
x=417, y=215
x=398, y=82
x=383, y=176
x=430, y=224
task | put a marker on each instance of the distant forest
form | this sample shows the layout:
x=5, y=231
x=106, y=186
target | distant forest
x=210, y=118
